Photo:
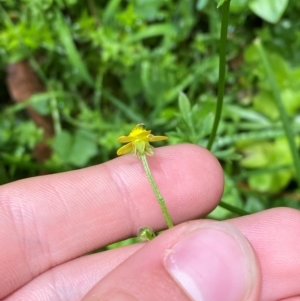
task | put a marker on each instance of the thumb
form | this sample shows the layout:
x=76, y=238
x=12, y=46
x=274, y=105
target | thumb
x=199, y=260
x=215, y=262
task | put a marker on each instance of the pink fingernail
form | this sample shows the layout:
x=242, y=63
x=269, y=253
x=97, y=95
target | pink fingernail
x=209, y=264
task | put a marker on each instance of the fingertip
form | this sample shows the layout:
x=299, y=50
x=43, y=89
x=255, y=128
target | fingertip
x=198, y=172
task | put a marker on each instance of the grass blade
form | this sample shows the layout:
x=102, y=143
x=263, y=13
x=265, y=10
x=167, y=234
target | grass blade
x=283, y=114
x=71, y=50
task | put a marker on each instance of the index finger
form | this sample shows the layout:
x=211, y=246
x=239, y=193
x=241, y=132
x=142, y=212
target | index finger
x=48, y=220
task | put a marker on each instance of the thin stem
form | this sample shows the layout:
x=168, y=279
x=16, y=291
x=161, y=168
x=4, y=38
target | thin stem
x=98, y=91
x=159, y=197
x=283, y=114
x=222, y=71
x=233, y=209
x=94, y=12
x=55, y=115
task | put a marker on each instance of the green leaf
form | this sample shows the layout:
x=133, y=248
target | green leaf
x=270, y=182
x=40, y=102
x=149, y=10
x=184, y=107
x=77, y=149
x=62, y=144
x=256, y=155
x=264, y=103
x=83, y=148
x=151, y=31
x=220, y=3
x=268, y=154
x=238, y=6
x=201, y=4
x=110, y=10
x=269, y=10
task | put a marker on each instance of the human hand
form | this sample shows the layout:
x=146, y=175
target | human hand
x=47, y=222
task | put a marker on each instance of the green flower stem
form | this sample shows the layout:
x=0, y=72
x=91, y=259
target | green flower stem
x=159, y=197
x=234, y=209
x=222, y=71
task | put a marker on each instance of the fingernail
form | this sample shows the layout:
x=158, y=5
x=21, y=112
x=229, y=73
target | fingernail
x=209, y=264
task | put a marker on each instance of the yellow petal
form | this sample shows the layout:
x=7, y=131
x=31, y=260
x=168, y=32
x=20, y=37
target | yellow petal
x=125, y=149
x=135, y=133
x=124, y=139
x=157, y=138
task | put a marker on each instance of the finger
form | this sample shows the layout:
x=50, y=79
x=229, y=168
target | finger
x=200, y=260
x=262, y=229
x=274, y=234
x=51, y=219
x=292, y=299
x=73, y=279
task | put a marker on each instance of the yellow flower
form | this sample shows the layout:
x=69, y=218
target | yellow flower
x=138, y=141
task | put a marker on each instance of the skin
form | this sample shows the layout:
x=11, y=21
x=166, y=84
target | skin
x=48, y=223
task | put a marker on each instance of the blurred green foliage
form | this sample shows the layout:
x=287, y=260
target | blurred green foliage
x=107, y=65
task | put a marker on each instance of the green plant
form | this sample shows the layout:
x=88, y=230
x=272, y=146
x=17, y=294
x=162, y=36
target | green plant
x=107, y=65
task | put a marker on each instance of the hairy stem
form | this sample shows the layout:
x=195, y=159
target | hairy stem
x=159, y=197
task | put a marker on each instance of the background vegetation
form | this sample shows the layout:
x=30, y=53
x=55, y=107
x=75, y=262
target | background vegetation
x=74, y=75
